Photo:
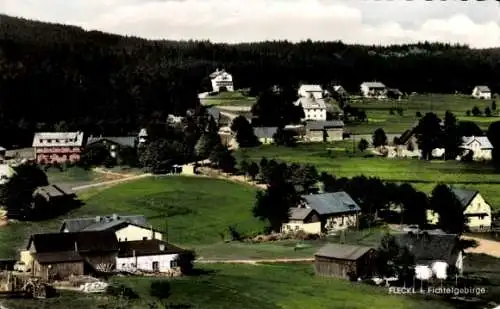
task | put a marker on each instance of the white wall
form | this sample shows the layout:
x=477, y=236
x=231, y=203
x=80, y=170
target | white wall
x=146, y=262
x=132, y=232
x=478, y=205
x=315, y=114
x=341, y=222
x=310, y=228
x=481, y=95
x=221, y=80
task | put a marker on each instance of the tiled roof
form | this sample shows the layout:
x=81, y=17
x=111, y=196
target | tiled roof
x=343, y=252
x=147, y=247
x=324, y=124
x=311, y=88
x=129, y=141
x=58, y=139
x=483, y=88
x=482, y=140
x=464, y=196
x=428, y=247
x=54, y=190
x=79, y=224
x=79, y=241
x=297, y=213
x=331, y=203
x=373, y=84
x=311, y=103
x=265, y=132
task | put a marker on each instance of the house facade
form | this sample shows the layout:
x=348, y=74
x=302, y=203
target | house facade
x=148, y=255
x=302, y=219
x=324, y=131
x=265, y=134
x=6, y=172
x=374, y=90
x=314, y=91
x=57, y=147
x=344, y=261
x=113, y=143
x=221, y=80
x=481, y=92
x=480, y=146
x=314, y=109
x=476, y=210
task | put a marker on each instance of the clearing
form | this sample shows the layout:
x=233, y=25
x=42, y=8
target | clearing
x=236, y=98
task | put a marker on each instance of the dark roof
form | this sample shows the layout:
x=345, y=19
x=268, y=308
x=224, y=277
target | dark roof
x=428, y=247
x=327, y=124
x=214, y=112
x=58, y=257
x=464, y=196
x=80, y=224
x=403, y=139
x=331, y=203
x=343, y=252
x=129, y=141
x=147, y=247
x=265, y=132
x=53, y=190
x=297, y=213
x=80, y=241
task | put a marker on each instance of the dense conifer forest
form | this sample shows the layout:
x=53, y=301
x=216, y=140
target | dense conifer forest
x=59, y=77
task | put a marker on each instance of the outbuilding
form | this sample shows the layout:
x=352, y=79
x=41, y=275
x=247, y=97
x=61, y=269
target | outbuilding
x=344, y=261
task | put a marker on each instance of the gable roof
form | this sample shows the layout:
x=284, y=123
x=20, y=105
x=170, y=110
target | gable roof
x=331, y=203
x=128, y=141
x=483, y=88
x=324, y=124
x=311, y=103
x=265, y=132
x=428, y=247
x=147, y=247
x=464, y=196
x=342, y=251
x=482, y=140
x=298, y=213
x=53, y=190
x=218, y=73
x=58, y=139
x=373, y=85
x=310, y=88
x=79, y=241
x=79, y=224
x=143, y=132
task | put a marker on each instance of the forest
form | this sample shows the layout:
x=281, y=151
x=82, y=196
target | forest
x=60, y=77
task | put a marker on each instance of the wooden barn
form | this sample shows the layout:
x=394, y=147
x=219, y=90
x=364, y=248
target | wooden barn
x=344, y=261
x=58, y=255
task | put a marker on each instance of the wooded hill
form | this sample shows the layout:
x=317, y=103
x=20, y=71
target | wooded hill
x=59, y=77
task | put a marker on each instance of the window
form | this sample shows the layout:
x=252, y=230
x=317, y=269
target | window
x=296, y=227
x=144, y=238
x=156, y=266
x=173, y=263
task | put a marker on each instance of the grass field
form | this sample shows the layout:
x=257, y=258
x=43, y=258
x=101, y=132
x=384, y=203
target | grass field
x=379, y=116
x=73, y=176
x=422, y=174
x=235, y=98
x=246, y=286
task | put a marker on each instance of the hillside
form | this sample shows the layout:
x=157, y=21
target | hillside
x=63, y=77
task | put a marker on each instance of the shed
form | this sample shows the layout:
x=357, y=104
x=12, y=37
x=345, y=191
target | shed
x=344, y=261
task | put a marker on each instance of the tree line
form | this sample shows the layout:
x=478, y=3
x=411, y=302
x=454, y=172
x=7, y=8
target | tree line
x=58, y=77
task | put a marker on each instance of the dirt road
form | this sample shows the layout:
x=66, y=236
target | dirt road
x=254, y=262
x=490, y=247
x=110, y=182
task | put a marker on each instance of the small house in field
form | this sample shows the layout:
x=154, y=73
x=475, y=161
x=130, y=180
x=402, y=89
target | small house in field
x=56, y=256
x=481, y=92
x=374, y=90
x=324, y=131
x=148, y=255
x=476, y=209
x=126, y=228
x=344, y=261
x=265, y=134
x=307, y=91
x=221, y=81
x=113, y=143
x=57, y=147
x=54, y=193
x=302, y=219
x=479, y=146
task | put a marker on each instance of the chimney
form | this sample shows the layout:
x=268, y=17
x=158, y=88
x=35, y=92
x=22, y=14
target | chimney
x=162, y=247
x=76, y=247
x=152, y=232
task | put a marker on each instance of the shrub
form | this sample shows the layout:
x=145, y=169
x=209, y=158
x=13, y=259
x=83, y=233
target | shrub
x=391, y=111
x=487, y=111
x=160, y=289
x=121, y=291
x=418, y=114
x=475, y=111
x=467, y=113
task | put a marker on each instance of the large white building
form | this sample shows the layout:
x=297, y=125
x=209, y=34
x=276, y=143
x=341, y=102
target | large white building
x=481, y=92
x=221, y=80
x=480, y=146
x=375, y=90
x=314, y=109
x=306, y=91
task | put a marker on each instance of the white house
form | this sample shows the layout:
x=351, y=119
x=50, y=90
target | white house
x=143, y=137
x=481, y=92
x=306, y=91
x=147, y=255
x=221, y=80
x=6, y=172
x=314, y=109
x=480, y=146
x=375, y=90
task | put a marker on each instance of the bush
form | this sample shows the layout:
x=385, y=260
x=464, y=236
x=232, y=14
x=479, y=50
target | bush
x=467, y=113
x=487, y=111
x=391, y=111
x=160, y=289
x=121, y=291
x=418, y=114
x=476, y=112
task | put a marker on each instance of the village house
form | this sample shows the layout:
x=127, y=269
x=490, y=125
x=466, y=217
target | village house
x=148, y=255
x=113, y=143
x=314, y=109
x=375, y=90
x=344, y=261
x=265, y=134
x=221, y=81
x=435, y=252
x=394, y=93
x=336, y=211
x=3, y=154
x=481, y=92
x=479, y=146
x=6, y=172
x=476, y=210
x=307, y=220
x=126, y=228
x=57, y=147
x=56, y=256
x=324, y=131
x=142, y=137
x=311, y=91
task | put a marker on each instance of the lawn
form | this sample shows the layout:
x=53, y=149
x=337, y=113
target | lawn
x=73, y=176
x=260, y=287
x=235, y=98
x=379, y=116
x=342, y=162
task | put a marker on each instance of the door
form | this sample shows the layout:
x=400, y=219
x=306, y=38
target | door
x=156, y=267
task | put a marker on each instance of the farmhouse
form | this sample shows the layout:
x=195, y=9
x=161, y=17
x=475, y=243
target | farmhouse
x=143, y=137
x=311, y=91
x=58, y=255
x=148, y=255
x=324, y=131
x=435, y=251
x=314, y=109
x=307, y=220
x=476, y=210
x=344, y=261
x=113, y=143
x=479, y=146
x=337, y=210
x=57, y=147
x=6, y=172
x=265, y=134
x=481, y=92
x=375, y=90
x=126, y=228
x=221, y=81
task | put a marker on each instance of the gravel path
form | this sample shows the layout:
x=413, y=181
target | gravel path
x=490, y=247
x=110, y=182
